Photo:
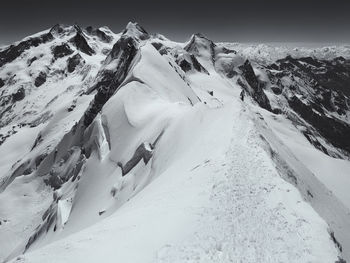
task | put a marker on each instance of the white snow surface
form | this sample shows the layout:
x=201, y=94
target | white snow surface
x=209, y=204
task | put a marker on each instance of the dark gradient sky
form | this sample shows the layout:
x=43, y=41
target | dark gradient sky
x=236, y=21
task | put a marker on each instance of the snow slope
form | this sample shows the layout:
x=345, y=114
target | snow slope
x=220, y=200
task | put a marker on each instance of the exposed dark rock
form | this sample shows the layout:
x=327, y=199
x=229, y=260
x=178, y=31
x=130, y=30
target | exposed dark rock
x=49, y=218
x=19, y=95
x=335, y=131
x=188, y=63
x=14, y=51
x=40, y=79
x=276, y=90
x=160, y=47
x=61, y=51
x=277, y=111
x=157, y=45
x=256, y=90
x=273, y=66
x=80, y=42
x=227, y=51
x=30, y=61
x=197, y=65
x=340, y=260
x=57, y=29
x=101, y=212
x=310, y=194
x=66, y=168
x=323, y=87
x=125, y=50
x=185, y=65
x=336, y=242
x=73, y=62
x=103, y=36
x=142, y=152
x=89, y=29
x=311, y=61
x=231, y=73
x=2, y=83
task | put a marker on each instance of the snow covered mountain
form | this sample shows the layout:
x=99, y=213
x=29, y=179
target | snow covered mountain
x=131, y=147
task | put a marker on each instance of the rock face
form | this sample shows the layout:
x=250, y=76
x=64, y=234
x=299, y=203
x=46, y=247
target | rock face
x=335, y=131
x=143, y=152
x=40, y=80
x=317, y=91
x=73, y=62
x=19, y=95
x=80, y=42
x=62, y=51
x=189, y=62
x=66, y=168
x=160, y=47
x=124, y=51
x=256, y=90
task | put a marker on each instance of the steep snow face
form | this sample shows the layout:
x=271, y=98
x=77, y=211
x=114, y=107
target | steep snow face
x=181, y=152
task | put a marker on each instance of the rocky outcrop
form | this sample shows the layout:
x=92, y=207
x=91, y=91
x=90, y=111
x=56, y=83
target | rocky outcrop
x=124, y=51
x=188, y=62
x=30, y=61
x=66, y=168
x=143, y=152
x=40, y=79
x=335, y=131
x=160, y=47
x=57, y=29
x=19, y=94
x=73, y=62
x=256, y=90
x=277, y=90
x=62, y=51
x=317, y=90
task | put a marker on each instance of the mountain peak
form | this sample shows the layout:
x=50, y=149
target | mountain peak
x=135, y=30
x=198, y=41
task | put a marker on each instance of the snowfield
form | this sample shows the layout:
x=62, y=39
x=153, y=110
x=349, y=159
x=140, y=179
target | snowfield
x=135, y=148
x=220, y=200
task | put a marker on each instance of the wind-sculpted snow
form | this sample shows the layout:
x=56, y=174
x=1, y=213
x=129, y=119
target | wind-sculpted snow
x=116, y=143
